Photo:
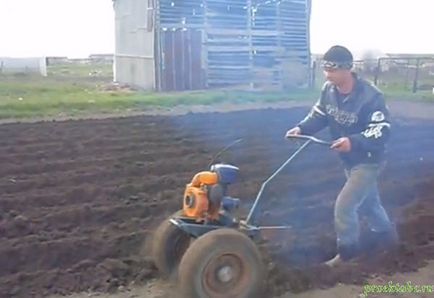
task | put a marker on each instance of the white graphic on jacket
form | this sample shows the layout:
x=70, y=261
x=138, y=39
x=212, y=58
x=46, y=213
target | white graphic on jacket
x=341, y=116
x=376, y=125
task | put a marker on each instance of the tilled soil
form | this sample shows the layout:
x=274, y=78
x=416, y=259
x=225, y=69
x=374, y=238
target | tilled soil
x=79, y=199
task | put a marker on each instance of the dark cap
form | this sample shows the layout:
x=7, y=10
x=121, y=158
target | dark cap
x=338, y=57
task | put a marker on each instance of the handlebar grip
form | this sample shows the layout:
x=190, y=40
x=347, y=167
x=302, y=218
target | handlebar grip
x=311, y=138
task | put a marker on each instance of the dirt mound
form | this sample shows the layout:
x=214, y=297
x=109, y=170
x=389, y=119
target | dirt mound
x=79, y=199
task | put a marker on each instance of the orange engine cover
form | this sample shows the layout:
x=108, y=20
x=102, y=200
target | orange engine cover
x=196, y=204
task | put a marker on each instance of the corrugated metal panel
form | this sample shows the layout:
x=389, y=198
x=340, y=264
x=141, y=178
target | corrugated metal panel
x=228, y=43
x=180, y=14
x=281, y=58
x=179, y=31
x=269, y=47
x=181, y=67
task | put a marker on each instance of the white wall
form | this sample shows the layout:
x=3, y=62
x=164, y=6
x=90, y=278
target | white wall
x=23, y=65
x=134, y=54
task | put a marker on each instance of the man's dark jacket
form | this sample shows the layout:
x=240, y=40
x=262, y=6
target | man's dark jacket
x=362, y=116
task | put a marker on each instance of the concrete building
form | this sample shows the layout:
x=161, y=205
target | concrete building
x=56, y=60
x=101, y=58
x=198, y=44
x=36, y=65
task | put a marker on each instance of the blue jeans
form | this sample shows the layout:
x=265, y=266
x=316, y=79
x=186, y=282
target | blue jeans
x=359, y=194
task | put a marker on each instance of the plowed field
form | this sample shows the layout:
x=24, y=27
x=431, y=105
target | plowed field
x=78, y=199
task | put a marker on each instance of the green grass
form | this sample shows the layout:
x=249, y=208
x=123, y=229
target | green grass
x=82, y=90
x=70, y=91
x=45, y=98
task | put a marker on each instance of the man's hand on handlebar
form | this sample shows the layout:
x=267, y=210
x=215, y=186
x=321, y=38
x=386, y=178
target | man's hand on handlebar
x=342, y=145
x=293, y=131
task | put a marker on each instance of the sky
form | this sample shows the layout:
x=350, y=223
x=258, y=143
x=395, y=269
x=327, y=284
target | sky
x=77, y=28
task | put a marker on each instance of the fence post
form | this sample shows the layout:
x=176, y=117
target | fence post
x=407, y=73
x=313, y=75
x=416, y=76
x=377, y=71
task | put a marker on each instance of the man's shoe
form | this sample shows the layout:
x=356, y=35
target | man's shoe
x=335, y=262
x=374, y=242
x=388, y=240
x=346, y=253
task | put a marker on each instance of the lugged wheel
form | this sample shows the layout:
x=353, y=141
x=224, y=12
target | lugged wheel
x=223, y=263
x=168, y=246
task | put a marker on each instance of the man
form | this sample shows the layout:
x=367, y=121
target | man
x=358, y=119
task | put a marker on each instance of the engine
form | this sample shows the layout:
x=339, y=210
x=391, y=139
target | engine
x=205, y=195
